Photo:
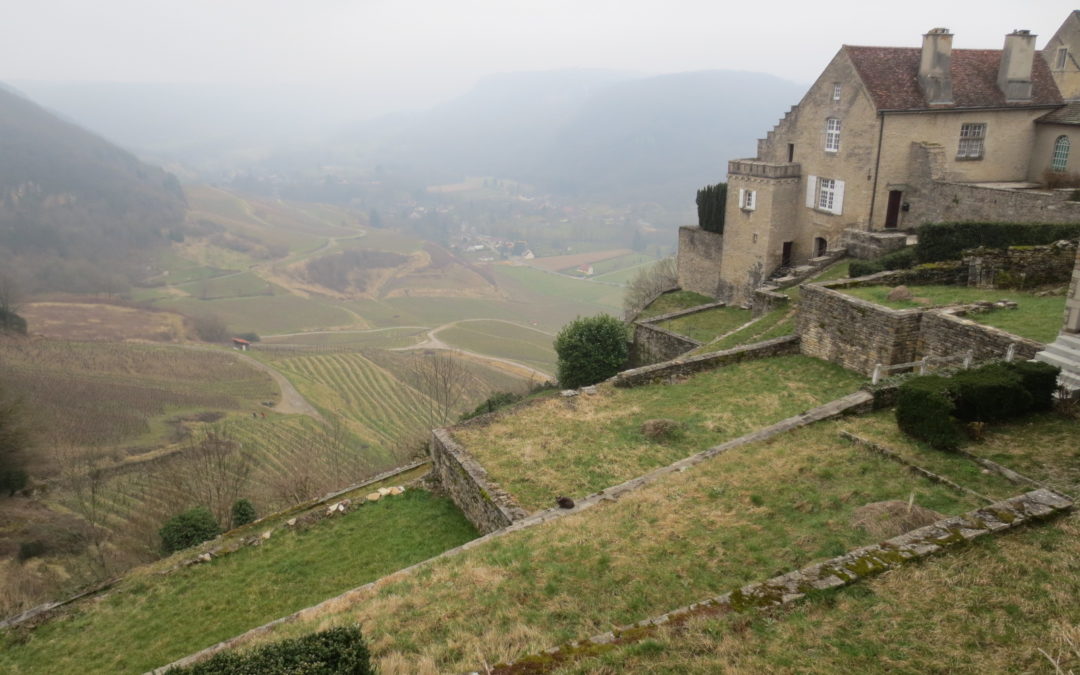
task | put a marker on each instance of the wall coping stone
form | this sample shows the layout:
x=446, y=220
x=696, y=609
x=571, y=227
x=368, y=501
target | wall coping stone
x=682, y=312
x=691, y=364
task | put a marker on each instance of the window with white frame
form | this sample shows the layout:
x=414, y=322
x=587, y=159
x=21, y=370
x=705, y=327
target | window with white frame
x=825, y=194
x=1060, y=160
x=836, y=92
x=747, y=199
x=972, y=135
x=832, y=135
x=1062, y=57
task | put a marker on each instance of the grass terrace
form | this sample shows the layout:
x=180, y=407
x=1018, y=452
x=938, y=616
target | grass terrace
x=578, y=446
x=148, y=620
x=673, y=302
x=503, y=339
x=706, y=325
x=1037, y=318
x=742, y=516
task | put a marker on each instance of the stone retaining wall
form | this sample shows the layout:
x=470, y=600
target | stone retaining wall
x=945, y=332
x=855, y=333
x=682, y=367
x=1020, y=266
x=868, y=245
x=654, y=344
x=699, y=261
x=487, y=506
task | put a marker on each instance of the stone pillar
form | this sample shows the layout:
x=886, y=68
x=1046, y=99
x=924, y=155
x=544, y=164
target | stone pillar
x=1064, y=352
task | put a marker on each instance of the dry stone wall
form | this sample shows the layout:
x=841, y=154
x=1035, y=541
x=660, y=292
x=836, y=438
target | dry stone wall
x=682, y=367
x=1020, y=266
x=653, y=344
x=487, y=506
x=698, y=261
x=946, y=332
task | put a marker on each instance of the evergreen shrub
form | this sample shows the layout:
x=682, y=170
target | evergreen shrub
x=590, y=349
x=901, y=259
x=711, y=204
x=243, y=512
x=187, y=529
x=1040, y=380
x=989, y=393
x=337, y=650
x=924, y=407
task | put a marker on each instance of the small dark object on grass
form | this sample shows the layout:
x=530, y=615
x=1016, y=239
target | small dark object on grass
x=564, y=502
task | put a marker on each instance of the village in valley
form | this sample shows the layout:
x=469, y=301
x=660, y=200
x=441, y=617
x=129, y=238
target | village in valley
x=482, y=428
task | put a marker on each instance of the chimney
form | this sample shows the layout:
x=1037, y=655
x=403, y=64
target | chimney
x=1017, y=57
x=935, y=80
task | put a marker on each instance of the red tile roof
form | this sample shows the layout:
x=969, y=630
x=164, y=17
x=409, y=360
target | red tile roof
x=891, y=75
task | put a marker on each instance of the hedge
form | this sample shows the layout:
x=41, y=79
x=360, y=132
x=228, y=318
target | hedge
x=901, y=259
x=946, y=241
x=992, y=392
x=337, y=650
x=1040, y=380
x=924, y=407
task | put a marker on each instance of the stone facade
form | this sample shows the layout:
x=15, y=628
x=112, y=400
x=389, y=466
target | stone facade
x=698, y=262
x=695, y=364
x=484, y=503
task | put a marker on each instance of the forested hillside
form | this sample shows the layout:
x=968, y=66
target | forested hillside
x=74, y=208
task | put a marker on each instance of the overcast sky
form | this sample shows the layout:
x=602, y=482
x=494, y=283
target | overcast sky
x=414, y=52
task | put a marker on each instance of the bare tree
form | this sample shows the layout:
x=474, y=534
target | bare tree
x=649, y=282
x=87, y=485
x=213, y=470
x=443, y=381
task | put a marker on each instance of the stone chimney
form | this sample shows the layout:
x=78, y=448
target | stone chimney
x=1017, y=57
x=935, y=79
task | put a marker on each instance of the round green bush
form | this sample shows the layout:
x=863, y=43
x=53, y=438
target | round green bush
x=243, y=512
x=187, y=529
x=1040, y=380
x=337, y=650
x=924, y=407
x=590, y=349
x=992, y=392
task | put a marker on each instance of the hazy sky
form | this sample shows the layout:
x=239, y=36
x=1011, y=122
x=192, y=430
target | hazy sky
x=412, y=52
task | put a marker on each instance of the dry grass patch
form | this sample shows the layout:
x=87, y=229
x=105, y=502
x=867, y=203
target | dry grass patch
x=745, y=515
x=102, y=321
x=584, y=444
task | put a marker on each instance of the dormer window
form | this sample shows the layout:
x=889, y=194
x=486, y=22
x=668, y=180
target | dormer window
x=836, y=92
x=832, y=135
x=1062, y=58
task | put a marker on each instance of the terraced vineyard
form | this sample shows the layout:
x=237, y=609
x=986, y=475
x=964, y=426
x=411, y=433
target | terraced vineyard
x=380, y=407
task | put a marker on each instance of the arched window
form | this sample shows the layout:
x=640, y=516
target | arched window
x=1061, y=154
x=832, y=135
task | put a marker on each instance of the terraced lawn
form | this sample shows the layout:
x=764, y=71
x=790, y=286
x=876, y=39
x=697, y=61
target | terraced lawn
x=577, y=446
x=1037, y=318
x=148, y=621
x=704, y=326
x=742, y=516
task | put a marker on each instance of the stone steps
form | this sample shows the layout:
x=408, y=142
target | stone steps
x=1064, y=352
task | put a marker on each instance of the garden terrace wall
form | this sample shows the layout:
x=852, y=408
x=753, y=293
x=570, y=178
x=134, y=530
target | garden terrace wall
x=1020, y=266
x=855, y=333
x=868, y=245
x=699, y=261
x=487, y=506
x=653, y=344
x=945, y=332
x=682, y=367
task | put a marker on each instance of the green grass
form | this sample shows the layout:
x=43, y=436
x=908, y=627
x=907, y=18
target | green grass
x=673, y=302
x=629, y=261
x=777, y=323
x=1037, y=318
x=742, y=516
x=231, y=286
x=558, y=286
x=704, y=326
x=547, y=450
x=149, y=621
x=503, y=340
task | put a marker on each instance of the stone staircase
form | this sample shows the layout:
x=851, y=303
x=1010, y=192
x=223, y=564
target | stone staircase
x=1064, y=352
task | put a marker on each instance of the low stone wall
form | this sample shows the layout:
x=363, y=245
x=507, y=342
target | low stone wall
x=699, y=261
x=855, y=333
x=1020, y=266
x=487, y=506
x=945, y=332
x=945, y=201
x=869, y=245
x=654, y=344
x=635, y=377
x=766, y=300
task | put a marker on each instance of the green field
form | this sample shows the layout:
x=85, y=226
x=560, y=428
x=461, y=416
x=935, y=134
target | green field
x=503, y=340
x=1037, y=318
x=547, y=450
x=240, y=285
x=267, y=314
x=383, y=338
x=149, y=621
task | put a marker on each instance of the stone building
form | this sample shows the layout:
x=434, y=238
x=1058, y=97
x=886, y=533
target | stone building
x=874, y=142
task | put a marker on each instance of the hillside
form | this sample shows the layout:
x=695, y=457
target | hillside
x=74, y=208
